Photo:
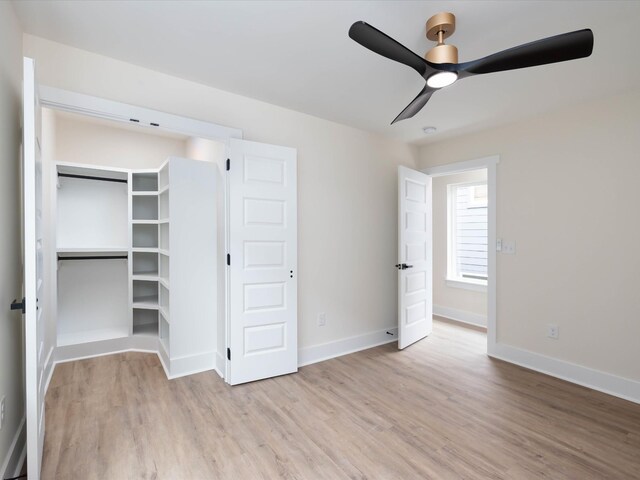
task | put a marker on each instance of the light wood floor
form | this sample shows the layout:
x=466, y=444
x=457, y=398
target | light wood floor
x=440, y=409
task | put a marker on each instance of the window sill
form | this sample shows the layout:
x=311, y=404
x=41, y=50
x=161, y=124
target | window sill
x=467, y=284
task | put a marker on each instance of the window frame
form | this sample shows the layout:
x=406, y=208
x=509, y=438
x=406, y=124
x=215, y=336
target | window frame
x=453, y=279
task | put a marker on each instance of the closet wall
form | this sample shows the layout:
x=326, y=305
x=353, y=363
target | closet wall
x=97, y=142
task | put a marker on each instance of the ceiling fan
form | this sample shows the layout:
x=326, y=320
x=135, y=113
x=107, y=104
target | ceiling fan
x=440, y=67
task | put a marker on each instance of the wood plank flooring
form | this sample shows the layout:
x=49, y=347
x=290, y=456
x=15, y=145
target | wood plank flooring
x=440, y=409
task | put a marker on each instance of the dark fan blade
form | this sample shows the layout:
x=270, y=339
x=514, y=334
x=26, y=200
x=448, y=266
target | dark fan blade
x=416, y=105
x=560, y=48
x=376, y=41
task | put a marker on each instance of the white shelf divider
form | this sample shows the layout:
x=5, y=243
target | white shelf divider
x=148, y=302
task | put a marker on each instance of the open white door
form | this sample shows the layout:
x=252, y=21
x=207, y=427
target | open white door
x=33, y=280
x=415, y=302
x=263, y=303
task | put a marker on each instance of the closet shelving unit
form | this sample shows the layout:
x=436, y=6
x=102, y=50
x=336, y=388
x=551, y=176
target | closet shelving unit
x=137, y=283
x=144, y=241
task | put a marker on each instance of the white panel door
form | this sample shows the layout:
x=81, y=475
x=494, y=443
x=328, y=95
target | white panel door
x=263, y=319
x=415, y=303
x=33, y=280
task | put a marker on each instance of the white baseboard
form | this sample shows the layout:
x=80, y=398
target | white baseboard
x=220, y=364
x=587, y=377
x=326, y=351
x=462, y=316
x=14, y=460
x=190, y=364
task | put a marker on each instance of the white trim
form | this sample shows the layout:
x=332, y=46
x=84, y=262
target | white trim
x=465, y=166
x=461, y=316
x=220, y=364
x=467, y=284
x=164, y=359
x=490, y=163
x=345, y=346
x=603, y=382
x=67, y=101
x=17, y=452
x=190, y=364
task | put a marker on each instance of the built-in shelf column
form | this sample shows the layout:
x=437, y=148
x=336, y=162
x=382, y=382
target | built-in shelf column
x=144, y=282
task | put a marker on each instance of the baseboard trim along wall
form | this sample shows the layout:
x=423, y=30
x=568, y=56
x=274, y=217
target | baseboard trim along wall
x=190, y=364
x=587, y=377
x=220, y=364
x=326, y=351
x=16, y=455
x=462, y=316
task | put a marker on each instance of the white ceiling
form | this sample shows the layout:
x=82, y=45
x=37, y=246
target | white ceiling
x=298, y=54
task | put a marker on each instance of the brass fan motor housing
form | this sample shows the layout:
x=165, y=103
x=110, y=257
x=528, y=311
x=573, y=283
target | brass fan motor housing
x=442, y=54
x=439, y=27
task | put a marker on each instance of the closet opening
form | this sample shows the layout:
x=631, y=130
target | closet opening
x=131, y=239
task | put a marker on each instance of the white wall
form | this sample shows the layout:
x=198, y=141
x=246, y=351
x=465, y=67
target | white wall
x=11, y=332
x=105, y=143
x=467, y=304
x=567, y=187
x=346, y=182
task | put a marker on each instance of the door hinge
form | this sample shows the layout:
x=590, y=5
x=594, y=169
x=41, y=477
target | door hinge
x=16, y=305
x=228, y=354
x=229, y=259
x=228, y=164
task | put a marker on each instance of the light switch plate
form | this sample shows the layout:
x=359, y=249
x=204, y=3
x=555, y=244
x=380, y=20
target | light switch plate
x=509, y=247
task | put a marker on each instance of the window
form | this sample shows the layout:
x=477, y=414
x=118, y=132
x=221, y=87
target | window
x=467, y=242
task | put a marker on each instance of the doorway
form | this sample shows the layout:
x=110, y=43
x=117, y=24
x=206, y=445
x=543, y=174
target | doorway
x=464, y=239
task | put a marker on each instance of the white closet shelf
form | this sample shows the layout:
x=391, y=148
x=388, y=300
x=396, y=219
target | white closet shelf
x=143, y=194
x=149, y=277
x=163, y=220
x=145, y=222
x=76, y=338
x=163, y=281
x=149, y=302
x=92, y=249
x=163, y=252
x=145, y=249
x=163, y=189
x=146, y=329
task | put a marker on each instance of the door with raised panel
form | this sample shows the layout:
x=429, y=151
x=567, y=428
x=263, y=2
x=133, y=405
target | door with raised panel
x=262, y=246
x=415, y=304
x=33, y=267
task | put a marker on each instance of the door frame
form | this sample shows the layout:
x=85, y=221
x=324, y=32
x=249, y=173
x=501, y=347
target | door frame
x=490, y=164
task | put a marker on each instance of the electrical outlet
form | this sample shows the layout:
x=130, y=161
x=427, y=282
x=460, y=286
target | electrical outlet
x=322, y=319
x=553, y=331
x=2, y=402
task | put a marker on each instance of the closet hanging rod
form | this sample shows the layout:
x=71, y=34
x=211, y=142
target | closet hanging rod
x=89, y=177
x=95, y=257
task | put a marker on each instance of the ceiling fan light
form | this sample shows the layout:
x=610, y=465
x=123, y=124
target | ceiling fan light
x=442, y=79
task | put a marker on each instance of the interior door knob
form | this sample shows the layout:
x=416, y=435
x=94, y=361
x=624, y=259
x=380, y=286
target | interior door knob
x=403, y=266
